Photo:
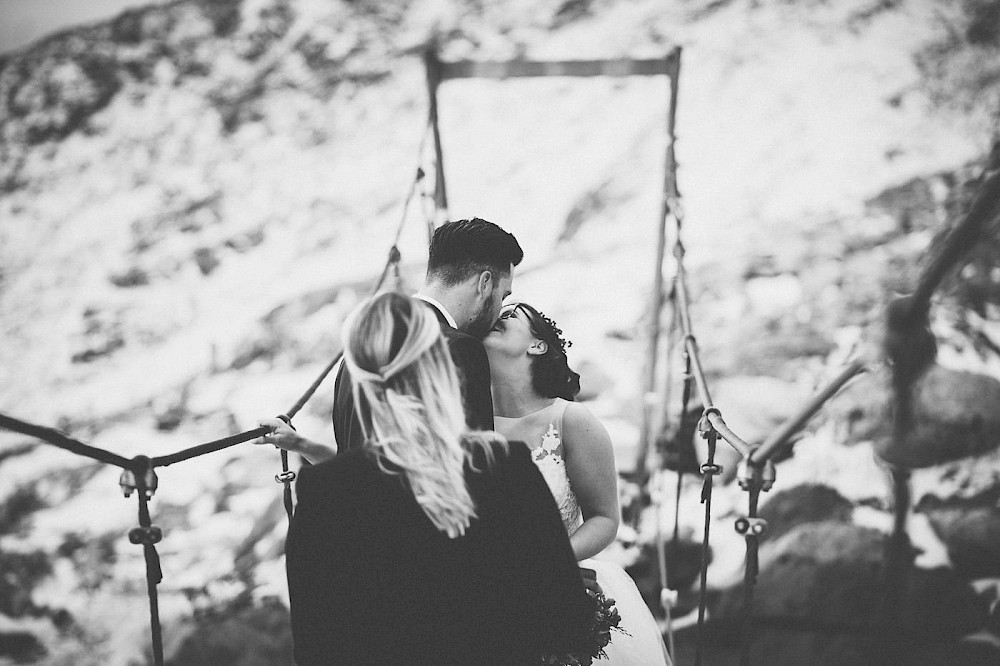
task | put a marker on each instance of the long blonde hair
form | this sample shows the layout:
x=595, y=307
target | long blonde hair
x=408, y=399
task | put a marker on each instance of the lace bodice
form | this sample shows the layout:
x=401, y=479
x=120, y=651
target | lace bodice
x=542, y=432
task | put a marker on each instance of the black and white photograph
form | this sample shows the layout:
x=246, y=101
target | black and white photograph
x=499, y=332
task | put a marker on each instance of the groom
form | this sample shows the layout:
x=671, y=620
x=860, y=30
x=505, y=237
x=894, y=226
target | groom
x=469, y=274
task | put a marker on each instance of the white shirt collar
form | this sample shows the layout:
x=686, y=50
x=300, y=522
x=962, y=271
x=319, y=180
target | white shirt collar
x=440, y=308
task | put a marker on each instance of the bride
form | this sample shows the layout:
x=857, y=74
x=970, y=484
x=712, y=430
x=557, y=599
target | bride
x=533, y=391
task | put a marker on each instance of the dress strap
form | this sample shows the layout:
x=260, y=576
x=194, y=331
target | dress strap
x=559, y=410
x=552, y=440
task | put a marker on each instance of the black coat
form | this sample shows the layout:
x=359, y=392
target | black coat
x=473, y=370
x=372, y=581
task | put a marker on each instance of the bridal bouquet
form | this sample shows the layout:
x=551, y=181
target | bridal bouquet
x=606, y=619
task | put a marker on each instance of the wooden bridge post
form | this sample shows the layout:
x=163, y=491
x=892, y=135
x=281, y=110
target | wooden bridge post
x=438, y=72
x=669, y=200
x=433, y=66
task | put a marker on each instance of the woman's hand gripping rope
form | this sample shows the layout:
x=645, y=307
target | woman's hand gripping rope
x=283, y=436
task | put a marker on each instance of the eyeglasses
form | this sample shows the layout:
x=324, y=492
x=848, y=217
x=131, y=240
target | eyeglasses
x=540, y=325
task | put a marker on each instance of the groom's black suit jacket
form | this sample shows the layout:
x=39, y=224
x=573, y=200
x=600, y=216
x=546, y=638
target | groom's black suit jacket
x=473, y=370
x=372, y=582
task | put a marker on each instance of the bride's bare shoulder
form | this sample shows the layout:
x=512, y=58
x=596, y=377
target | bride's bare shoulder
x=580, y=424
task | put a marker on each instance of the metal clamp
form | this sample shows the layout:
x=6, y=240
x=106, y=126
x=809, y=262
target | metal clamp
x=768, y=475
x=747, y=472
x=705, y=428
x=145, y=535
x=284, y=477
x=713, y=469
x=751, y=526
x=130, y=482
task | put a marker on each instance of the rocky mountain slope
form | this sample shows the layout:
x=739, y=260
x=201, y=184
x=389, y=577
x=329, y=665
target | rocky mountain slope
x=193, y=194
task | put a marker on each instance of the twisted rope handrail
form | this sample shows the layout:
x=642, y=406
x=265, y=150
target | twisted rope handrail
x=910, y=349
x=780, y=437
x=984, y=213
x=711, y=427
x=712, y=413
x=63, y=441
x=138, y=473
x=756, y=470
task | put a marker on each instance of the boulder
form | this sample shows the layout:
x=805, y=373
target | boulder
x=830, y=577
x=955, y=415
x=768, y=644
x=970, y=651
x=807, y=503
x=20, y=647
x=972, y=536
x=787, y=645
x=254, y=634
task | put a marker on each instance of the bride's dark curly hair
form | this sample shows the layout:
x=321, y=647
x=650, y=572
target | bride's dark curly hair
x=551, y=375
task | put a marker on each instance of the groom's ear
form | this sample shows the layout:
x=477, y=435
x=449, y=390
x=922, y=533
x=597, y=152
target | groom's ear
x=538, y=348
x=484, y=282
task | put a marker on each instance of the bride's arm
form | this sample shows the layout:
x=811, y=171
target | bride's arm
x=590, y=465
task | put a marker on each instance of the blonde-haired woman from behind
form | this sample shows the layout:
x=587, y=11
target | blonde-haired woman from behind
x=429, y=544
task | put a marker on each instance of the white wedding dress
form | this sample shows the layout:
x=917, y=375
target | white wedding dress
x=643, y=644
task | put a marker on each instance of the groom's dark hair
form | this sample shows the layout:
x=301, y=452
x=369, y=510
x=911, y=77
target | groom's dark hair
x=464, y=248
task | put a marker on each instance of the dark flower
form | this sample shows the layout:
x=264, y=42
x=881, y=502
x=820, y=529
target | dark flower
x=606, y=619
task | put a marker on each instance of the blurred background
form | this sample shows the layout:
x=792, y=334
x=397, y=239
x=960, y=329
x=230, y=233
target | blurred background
x=194, y=193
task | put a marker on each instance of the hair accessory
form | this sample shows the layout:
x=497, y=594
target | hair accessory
x=359, y=374
x=556, y=331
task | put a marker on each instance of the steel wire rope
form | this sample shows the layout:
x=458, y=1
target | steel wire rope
x=709, y=470
x=751, y=568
